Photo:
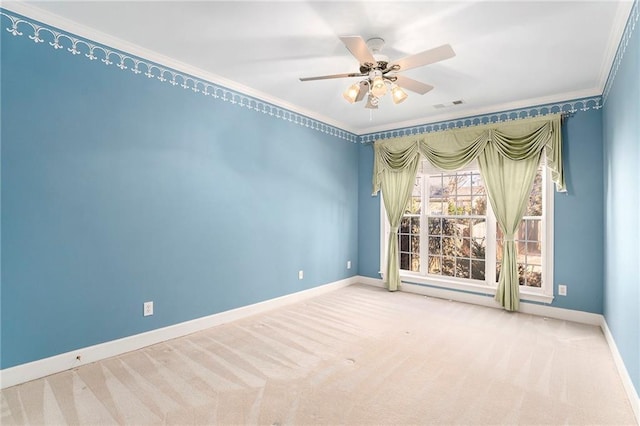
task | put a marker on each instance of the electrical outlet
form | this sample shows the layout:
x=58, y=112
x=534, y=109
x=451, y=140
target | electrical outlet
x=300, y=274
x=348, y=264
x=147, y=309
x=562, y=290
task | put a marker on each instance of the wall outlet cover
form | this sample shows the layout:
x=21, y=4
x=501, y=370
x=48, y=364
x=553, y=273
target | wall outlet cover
x=147, y=309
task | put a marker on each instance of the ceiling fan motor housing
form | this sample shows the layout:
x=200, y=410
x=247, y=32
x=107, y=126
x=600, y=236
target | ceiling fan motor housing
x=375, y=45
x=380, y=65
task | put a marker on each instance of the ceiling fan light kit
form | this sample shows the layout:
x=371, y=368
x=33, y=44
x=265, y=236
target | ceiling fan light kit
x=378, y=72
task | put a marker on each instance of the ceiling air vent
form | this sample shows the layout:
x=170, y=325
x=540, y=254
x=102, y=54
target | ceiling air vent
x=449, y=104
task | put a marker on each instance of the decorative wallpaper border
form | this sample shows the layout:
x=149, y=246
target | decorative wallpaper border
x=622, y=48
x=59, y=40
x=568, y=107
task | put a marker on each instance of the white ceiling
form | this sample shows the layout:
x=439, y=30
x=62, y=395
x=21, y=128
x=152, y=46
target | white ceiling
x=509, y=54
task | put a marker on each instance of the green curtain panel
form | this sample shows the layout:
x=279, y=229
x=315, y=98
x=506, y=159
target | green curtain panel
x=397, y=185
x=508, y=154
x=508, y=184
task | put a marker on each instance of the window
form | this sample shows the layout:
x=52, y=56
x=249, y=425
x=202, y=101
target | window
x=409, y=231
x=528, y=240
x=457, y=225
x=449, y=237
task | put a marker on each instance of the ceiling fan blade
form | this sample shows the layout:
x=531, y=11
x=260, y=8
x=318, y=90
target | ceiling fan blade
x=364, y=89
x=425, y=58
x=327, y=77
x=358, y=48
x=413, y=85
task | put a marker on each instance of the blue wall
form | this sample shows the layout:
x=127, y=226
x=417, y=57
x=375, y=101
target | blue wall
x=578, y=216
x=622, y=207
x=368, y=216
x=118, y=189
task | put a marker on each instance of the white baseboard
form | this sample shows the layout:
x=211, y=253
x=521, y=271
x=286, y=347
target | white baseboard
x=375, y=282
x=561, y=314
x=489, y=301
x=533, y=309
x=634, y=399
x=44, y=367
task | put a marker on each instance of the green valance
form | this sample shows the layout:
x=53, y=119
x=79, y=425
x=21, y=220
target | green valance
x=454, y=149
x=508, y=155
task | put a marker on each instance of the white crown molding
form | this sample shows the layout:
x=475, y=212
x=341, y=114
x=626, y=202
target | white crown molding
x=87, y=34
x=44, y=367
x=617, y=30
x=630, y=26
x=310, y=118
x=493, y=110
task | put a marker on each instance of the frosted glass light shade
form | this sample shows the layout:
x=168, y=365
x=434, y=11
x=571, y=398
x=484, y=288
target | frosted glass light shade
x=378, y=88
x=352, y=93
x=397, y=94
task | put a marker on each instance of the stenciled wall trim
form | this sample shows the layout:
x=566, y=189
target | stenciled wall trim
x=59, y=40
x=622, y=48
x=569, y=107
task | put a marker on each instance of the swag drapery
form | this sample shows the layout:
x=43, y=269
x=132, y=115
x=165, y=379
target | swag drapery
x=508, y=155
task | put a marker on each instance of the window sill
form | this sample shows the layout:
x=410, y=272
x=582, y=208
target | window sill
x=481, y=288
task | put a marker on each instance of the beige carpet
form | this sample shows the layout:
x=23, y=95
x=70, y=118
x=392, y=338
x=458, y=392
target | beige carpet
x=359, y=355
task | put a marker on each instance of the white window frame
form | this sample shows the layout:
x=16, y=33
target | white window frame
x=544, y=294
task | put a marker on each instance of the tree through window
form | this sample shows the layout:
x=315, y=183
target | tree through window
x=449, y=231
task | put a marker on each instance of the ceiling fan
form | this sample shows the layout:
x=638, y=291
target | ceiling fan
x=379, y=73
